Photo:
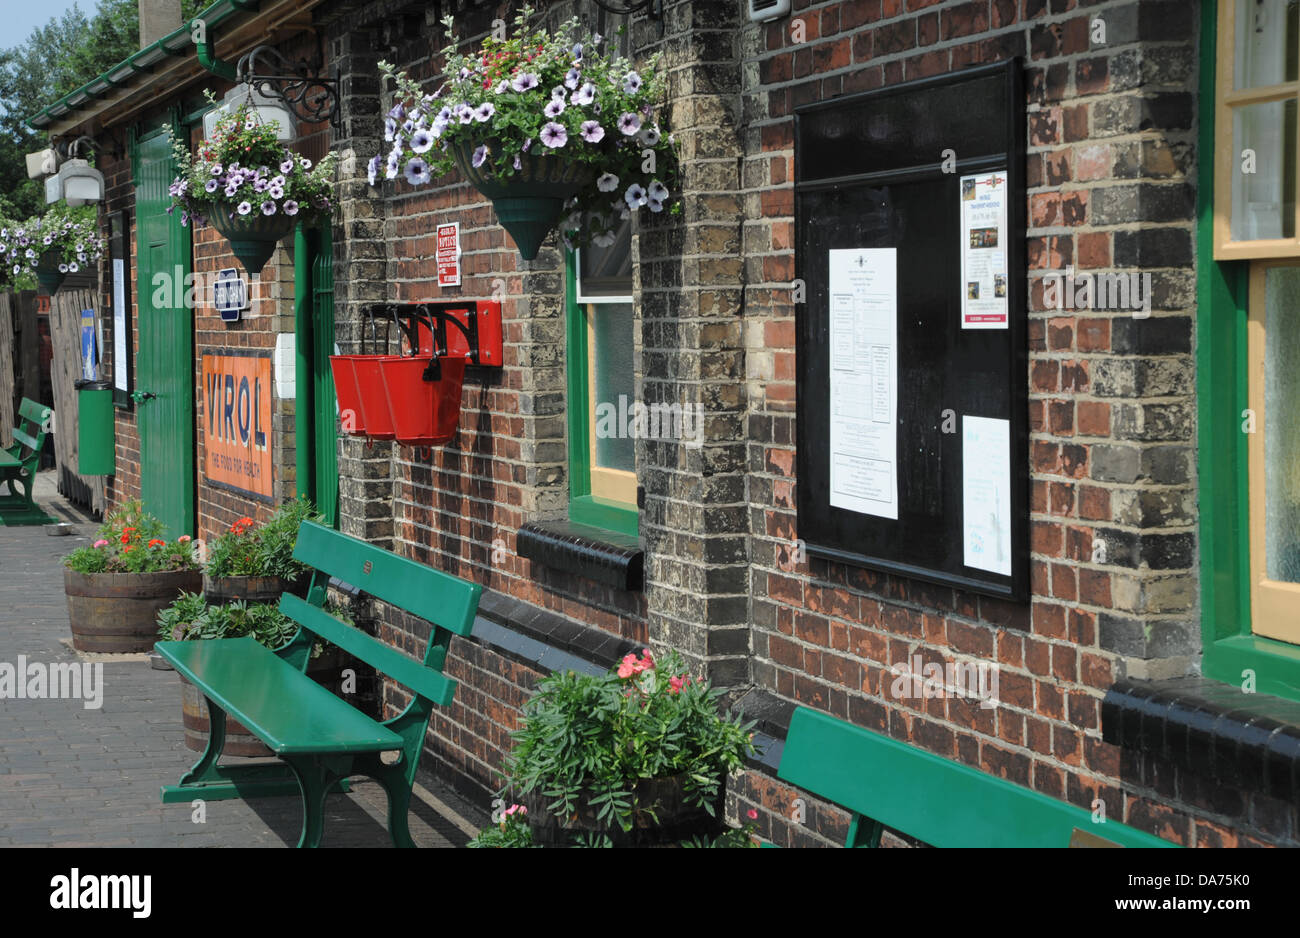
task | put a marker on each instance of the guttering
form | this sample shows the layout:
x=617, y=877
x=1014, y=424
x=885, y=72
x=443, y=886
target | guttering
x=175, y=43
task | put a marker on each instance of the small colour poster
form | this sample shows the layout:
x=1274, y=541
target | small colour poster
x=984, y=251
x=449, y=255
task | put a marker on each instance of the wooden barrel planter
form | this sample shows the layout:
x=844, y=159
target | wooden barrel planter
x=677, y=820
x=326, y=670
x=117, y=613
x=220, y=590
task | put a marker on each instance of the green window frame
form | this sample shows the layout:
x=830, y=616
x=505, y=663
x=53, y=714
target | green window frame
x=1230, y=649
x=584, y=507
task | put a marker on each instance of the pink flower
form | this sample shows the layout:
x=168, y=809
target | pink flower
x=752, y=814
x=675, y=685
x=628, y=667
x=516, y=808
x=183, y=539
x=101, y=543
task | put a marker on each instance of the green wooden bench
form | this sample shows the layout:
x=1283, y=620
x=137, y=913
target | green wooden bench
x=18, y=465
x=320, y=739
x=886, y=783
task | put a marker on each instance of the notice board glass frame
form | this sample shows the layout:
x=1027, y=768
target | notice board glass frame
x=883, y=169
x=119, y=249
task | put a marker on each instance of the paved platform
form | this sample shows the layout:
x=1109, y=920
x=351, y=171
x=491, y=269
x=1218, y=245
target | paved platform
x=72, y=776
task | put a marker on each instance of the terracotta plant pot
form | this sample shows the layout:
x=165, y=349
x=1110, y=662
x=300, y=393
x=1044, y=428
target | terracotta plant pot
x=219, y=591
x=118, y=612
x=529, y=203
x=673, y=820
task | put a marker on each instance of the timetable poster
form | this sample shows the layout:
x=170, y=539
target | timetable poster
x=984, y=251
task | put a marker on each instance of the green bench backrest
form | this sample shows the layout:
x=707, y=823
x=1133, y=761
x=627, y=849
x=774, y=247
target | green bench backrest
x=29, y=435
x=449, y=602
x=935, y=800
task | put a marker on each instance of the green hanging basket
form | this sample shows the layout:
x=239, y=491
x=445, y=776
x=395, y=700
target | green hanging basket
x=48, y=274
x=529, y=203
x=253, y=237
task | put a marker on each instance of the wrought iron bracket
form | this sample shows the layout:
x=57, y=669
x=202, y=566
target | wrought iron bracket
x=313, y=98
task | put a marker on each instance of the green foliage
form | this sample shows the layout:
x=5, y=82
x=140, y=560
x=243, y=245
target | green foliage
x=130, y=541
x=57, y=58
x=534, y=92
x=511, y=831
x=593, y=738
x=243, y=170
x=186, y=609
x=261, y=621
x=249, y=550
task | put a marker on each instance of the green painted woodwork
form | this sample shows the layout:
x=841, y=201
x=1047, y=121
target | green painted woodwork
x=280, y=705
x=304, y=386
x=18, y=465
x=325, y=408
x=884, y=782
x=585, y=508
x=320, y=738
x=1228, y=645
x=165, y=361
x=441, y=598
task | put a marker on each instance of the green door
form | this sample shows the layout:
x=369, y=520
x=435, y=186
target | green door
x=165, y=361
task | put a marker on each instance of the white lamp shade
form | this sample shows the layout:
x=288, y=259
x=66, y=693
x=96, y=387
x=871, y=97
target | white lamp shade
x=267, y=109
x=81, y=182
x=53, y=189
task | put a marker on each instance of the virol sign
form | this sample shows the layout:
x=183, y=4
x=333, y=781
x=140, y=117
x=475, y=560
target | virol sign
x=237, y=422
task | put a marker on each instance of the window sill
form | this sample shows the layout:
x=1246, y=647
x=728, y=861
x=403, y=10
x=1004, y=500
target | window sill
x=599, y=554
x=1214, y=730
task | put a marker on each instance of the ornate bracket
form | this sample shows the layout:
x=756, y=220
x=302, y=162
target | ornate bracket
x=311, y=97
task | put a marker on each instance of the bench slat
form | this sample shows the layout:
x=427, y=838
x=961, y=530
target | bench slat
x=33, y=411
x=936, y=800
x=25, y=440
x=283, y=707
x=443, y=599
x=408, y=672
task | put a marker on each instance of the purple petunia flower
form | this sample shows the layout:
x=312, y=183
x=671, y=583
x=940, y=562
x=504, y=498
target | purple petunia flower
x=635, y=196
x=502, y=87
x=304, y=163
x=291, y=207
x=554, y=108
x=607, y=182
x=244, y=208
x=592, y=132
x=421, y=141
x=480, y=155
x=372, y=172
x=631, y=83
x=554, y=135
x=524, y=81
x=417, y=171
x=585, y=95
x=559, y=93
x=408, y=125
x=259, y=185
x=657, y=192
x=287, y=165
x=629, y=123
x=649, y=136
x=465, y=113
x=278, y=181
x=216, y=169
x=73, y=268
x=571, y=78
x=268, y=207
x=577, y=51
x=527, y=143
x=211, y=185
x=518, y=164
x=394, y=161
x=275, y=192
x=398, y=111
x=63, y=268
x=484, y=111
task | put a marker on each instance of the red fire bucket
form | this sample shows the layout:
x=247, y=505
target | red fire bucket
x=423, y=413
x=363, y=404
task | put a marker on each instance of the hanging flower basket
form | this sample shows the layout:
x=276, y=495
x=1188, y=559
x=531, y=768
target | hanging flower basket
x=63, y=241
x=529, y=203
x=249, y=187
x=47, y=271
x=552, y=127
x=253, y=238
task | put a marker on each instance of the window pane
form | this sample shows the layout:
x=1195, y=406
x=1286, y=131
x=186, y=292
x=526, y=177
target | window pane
x=607, y=271
x=614, y=385
x=1263, y=201
x=1265, y=34
x=1282, y=424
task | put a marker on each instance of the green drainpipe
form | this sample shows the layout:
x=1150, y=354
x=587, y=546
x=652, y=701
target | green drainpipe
x=208, y=59
x=304, y=377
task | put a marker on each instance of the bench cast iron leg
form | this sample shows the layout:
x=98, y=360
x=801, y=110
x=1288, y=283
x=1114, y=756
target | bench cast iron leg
x=314, y=780
x=399, y=804
x=205, y=769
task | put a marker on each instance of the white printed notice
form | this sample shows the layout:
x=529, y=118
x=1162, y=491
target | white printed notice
x=864, y=380
x=986, y=493
x=120, y=287
x=984, y=251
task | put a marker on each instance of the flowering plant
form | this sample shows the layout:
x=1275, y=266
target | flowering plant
x=511, y=830
x=594, y=737
x=70, y=232
x=244, y=171
x=267, y=550
x=130, y=541
x=558, y=95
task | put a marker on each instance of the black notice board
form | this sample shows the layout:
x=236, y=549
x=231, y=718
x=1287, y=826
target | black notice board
x=119, y=278
x=870, y=173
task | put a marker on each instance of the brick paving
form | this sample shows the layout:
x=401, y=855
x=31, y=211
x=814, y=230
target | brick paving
x=71, y=776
